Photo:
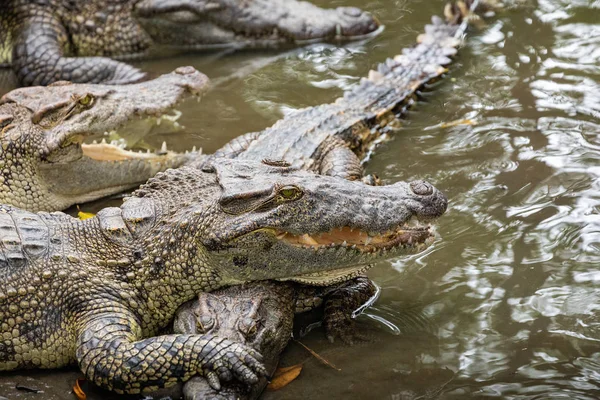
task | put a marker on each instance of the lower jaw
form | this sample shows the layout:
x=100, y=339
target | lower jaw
x=327, y=278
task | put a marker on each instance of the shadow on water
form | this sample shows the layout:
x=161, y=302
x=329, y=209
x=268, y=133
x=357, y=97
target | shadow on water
x=507, y=303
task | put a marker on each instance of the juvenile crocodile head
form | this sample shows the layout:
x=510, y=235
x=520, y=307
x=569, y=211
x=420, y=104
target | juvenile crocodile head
x=260, y=315
x=45, y=163
x=249, y=23
x=250, y=221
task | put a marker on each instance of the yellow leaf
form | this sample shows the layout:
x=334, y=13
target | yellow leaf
x=283, y=376
x=84, y=215
x=79, y=393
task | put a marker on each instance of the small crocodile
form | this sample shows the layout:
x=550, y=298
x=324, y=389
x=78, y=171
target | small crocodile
x=97, y=291
x=75, y=40
x=261, y=315
x=331, y=139
x=45, y=164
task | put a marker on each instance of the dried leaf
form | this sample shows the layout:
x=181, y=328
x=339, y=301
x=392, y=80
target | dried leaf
x=283, y=376
x=318, y=357
x=84, y=215
x=79, y=393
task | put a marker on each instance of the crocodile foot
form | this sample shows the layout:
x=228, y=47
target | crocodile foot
x=340, y=325
x=229, y=359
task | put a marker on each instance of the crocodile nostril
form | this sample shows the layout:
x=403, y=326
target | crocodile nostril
x=351, y=11
x=421, y=188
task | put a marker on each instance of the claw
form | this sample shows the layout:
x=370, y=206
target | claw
x=225, y=374
x=246, y=375
x=213, y=380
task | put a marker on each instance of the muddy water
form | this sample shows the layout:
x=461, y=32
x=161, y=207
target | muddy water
x=507, y=303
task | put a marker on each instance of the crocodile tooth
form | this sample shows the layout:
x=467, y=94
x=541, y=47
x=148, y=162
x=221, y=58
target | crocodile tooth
x=194, y=149
x=164, y=146
x=344, y=243
x=338, y=30
x=103, y=140
x=307, y=239
x=368, y=240
x=95, y=142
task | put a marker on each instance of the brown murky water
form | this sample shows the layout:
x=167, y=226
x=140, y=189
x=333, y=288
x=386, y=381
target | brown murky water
x=507, y=303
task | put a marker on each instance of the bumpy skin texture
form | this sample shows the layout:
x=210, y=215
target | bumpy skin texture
x=338, y=153
x=331, y=139
x=45, y=166
x=261, y=316
x=51, y=40
x=97, y=291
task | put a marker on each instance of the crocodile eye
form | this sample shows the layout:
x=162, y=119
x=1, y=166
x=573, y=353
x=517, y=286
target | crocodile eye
x=86, y=100
x=290, y=193
x=248, y=326
x=206, y=323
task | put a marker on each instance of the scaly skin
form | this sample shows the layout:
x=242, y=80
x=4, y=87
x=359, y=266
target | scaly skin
x=97, y=291
x=221, y=312
x=331, y=139
x=261, y=315
x=52, y=40
x=45, y=165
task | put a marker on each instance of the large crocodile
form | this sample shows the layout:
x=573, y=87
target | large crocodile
x=51, y=40
x=97, y=291
x=45, y=164
x=310, y=140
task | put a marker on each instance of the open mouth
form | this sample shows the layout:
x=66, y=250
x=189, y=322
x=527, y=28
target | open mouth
x=405, y=236
x=411, y=236
x=117, y=151
x=127, y=143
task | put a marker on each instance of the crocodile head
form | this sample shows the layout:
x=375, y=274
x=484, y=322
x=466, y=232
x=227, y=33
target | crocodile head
x=249, y=23
x=49, y=157
x=258, y=315
x=255, y=222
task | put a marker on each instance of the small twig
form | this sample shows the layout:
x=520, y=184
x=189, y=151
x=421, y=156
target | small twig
x=317, y=356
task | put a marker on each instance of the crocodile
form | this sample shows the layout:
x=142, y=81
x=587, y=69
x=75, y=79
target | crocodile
x=261, y=315
x=45, y=164
x=80, y=41
x=319, y=144
x=97, y=292
x=332, y=139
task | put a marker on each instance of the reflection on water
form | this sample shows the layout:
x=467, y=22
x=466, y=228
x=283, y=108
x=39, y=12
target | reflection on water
x=506, y=304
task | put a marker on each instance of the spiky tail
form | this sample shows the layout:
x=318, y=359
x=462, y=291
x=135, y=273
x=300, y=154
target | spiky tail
x=389, y=90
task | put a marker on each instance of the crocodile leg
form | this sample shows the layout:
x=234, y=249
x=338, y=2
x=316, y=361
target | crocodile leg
x=341, y=304
x=341, y=162
x=38, y=58
x=112, y=354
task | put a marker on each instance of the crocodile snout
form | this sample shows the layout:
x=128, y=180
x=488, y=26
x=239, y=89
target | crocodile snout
x=421, y=188
x=432, y=202
x=355, y=22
